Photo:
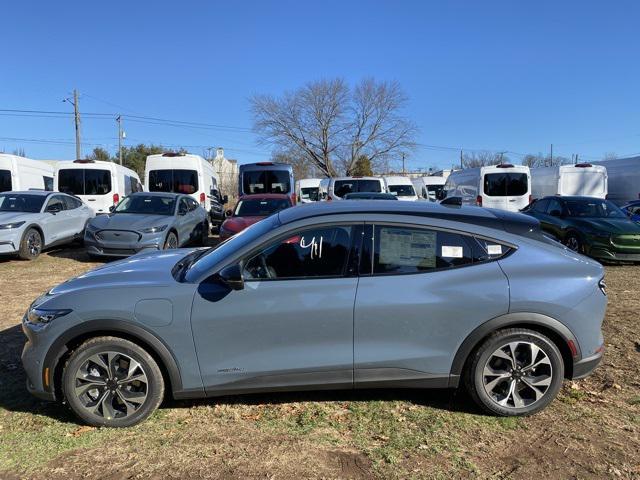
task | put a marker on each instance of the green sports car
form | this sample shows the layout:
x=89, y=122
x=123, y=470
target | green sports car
x=593, y=226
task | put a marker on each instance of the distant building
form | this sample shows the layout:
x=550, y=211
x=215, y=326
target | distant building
x=227, y=171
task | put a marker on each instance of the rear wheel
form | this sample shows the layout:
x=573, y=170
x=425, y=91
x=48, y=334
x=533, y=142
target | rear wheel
x=515, y=372
x=573, y=242
x=112, y=382
x=30, y=245
x=171, y=241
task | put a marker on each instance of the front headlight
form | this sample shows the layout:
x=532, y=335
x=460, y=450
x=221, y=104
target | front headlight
x=154, y=229
x=41, y=316
x=9, y=226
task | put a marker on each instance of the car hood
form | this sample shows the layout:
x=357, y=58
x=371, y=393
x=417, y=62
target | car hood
x=237, y=224
x=11, y=217
x=130, y=221
x=609, y=225
x=144, y=269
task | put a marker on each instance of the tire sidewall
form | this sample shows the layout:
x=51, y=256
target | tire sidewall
x=23, y=252
x=166, y=241
x=577, y=237
x=487, y=349
x=150, y=367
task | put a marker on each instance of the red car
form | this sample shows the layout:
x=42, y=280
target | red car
x=251, y=209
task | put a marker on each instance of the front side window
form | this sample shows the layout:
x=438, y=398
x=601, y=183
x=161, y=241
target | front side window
x=593, y=208
x=312, y=253
x=176, y=181
x=81, y=181
x=540, y=206
x=401, y=250
x=266, y=181
x=5, y=181
x=508, y=184
x=554, y=206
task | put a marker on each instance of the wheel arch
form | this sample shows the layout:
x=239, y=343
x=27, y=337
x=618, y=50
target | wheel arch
x=64, y=345
x=548, y=326
x=40, y=231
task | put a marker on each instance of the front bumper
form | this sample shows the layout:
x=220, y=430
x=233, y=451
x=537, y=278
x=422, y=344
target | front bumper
x=10, y=240
x=121, y=249
x=607, y=250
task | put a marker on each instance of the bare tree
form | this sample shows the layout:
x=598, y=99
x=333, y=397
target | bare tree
x=482, y=159
x=610, y=156
x=330, y=126
x=540, y=160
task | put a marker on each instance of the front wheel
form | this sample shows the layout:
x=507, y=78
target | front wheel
x=171, y=241
x=112, y=382
x=572, y=242
x=515, y=372
x=30, y=245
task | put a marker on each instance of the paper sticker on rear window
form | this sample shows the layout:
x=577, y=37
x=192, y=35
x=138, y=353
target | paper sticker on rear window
x=451, y=251
x=407, y=247
x=494, y=249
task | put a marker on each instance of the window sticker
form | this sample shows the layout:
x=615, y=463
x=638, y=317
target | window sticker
x=494, y=249
x=316, y=247
x=407, y=247
x=451, y=251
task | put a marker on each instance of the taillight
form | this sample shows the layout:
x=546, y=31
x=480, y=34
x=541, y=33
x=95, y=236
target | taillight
x=116, y=198
x=479, y=200
x=293, y=198
x=202, y=197
x=530, y=199
x=328, y=198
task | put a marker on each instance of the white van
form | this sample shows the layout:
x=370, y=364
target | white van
x=324, y=188
x=429, y=187
x=20, y=173
x=581, y=179
x=505, y=186
x=623, y=179
x=185, y=173
x=99, y=184
x=308, y=190
x=401, y=187
x=339, y=187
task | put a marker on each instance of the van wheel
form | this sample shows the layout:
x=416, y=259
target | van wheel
x=171, y=241
x=112, y=382
x=30, y=245
x=515, y=372
x=572, y=242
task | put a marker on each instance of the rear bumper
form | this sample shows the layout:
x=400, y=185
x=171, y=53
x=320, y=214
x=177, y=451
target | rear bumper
x=583, y=368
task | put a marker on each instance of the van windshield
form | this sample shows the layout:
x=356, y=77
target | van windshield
x=505, y=184
x=5, y=181
x=342, y=187
x=311, y=193
x=266, y=181
x=176, y=181
x=84, y=181
x=402, y=190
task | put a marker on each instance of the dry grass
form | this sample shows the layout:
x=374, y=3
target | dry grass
x=591, y=431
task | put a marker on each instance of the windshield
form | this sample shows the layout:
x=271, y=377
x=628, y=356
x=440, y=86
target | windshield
x=21, y=203
x=310, y=193
x=260, y=208
x=147, y=205
x=266, y=181
x=84, y=181
x=593, y=208
x=505, y=184
x=207, y=262
x=176, y=181
x=402, y=190
x=5, y=181
x=342, y=187
x=434, y=190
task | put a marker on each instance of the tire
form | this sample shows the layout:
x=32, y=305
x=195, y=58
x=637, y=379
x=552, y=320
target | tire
x=489, y=379
x=572, y=242
x=30, y=245
x=110, y=400
x=171, y=241
x=204, y=237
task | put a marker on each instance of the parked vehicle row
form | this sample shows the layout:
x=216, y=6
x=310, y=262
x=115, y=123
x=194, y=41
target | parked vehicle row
x=310, y=298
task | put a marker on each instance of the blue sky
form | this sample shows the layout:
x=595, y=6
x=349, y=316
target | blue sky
x=503, y=75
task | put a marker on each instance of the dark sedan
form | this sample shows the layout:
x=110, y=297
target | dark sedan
x=592, y=226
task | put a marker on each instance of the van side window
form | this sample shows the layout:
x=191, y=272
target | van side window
x=401, y=250
x=48, y=183
x=128, y=188
x=313, y=253
x=5, y=181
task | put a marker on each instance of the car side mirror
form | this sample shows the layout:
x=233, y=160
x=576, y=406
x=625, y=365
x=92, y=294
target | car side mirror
x=555, y=213
x=225, y=199
x=112, y=208
x=228, y=213
x=54, y=209
x=231, y=276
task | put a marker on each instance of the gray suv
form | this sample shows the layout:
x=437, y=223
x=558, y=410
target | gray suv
x=335, y=295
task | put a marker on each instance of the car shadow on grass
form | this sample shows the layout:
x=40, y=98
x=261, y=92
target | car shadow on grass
x=15, y=397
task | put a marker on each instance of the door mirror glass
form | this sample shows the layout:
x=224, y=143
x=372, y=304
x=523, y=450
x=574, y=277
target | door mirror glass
x=231, y=276
x=228, y=213
x=441, y=194
x=112, y=208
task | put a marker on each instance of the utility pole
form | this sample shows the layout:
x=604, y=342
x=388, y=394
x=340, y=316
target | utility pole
x=501, y=156
x=551, y=164
x=461, y=159
x=76, y=116
x=119, y=120
x=403, y=171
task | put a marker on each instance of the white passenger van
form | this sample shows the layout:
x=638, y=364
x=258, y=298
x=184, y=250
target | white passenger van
x=183, y=173
x=20, y=173
x=623, y=179
x=505, y=186
x=308, y=190
x=324, y=188
x=429, y=187
x=339, y=187
x=581, y=179
x=401, y=187
x=99, y=184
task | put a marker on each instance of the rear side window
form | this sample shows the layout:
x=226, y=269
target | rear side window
x=57, y=201
x=81, y=181
x=401, y=250
x=176, y=181
x=71, y=203
x=505, y=184
x=312, y=253
x=5, y=181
